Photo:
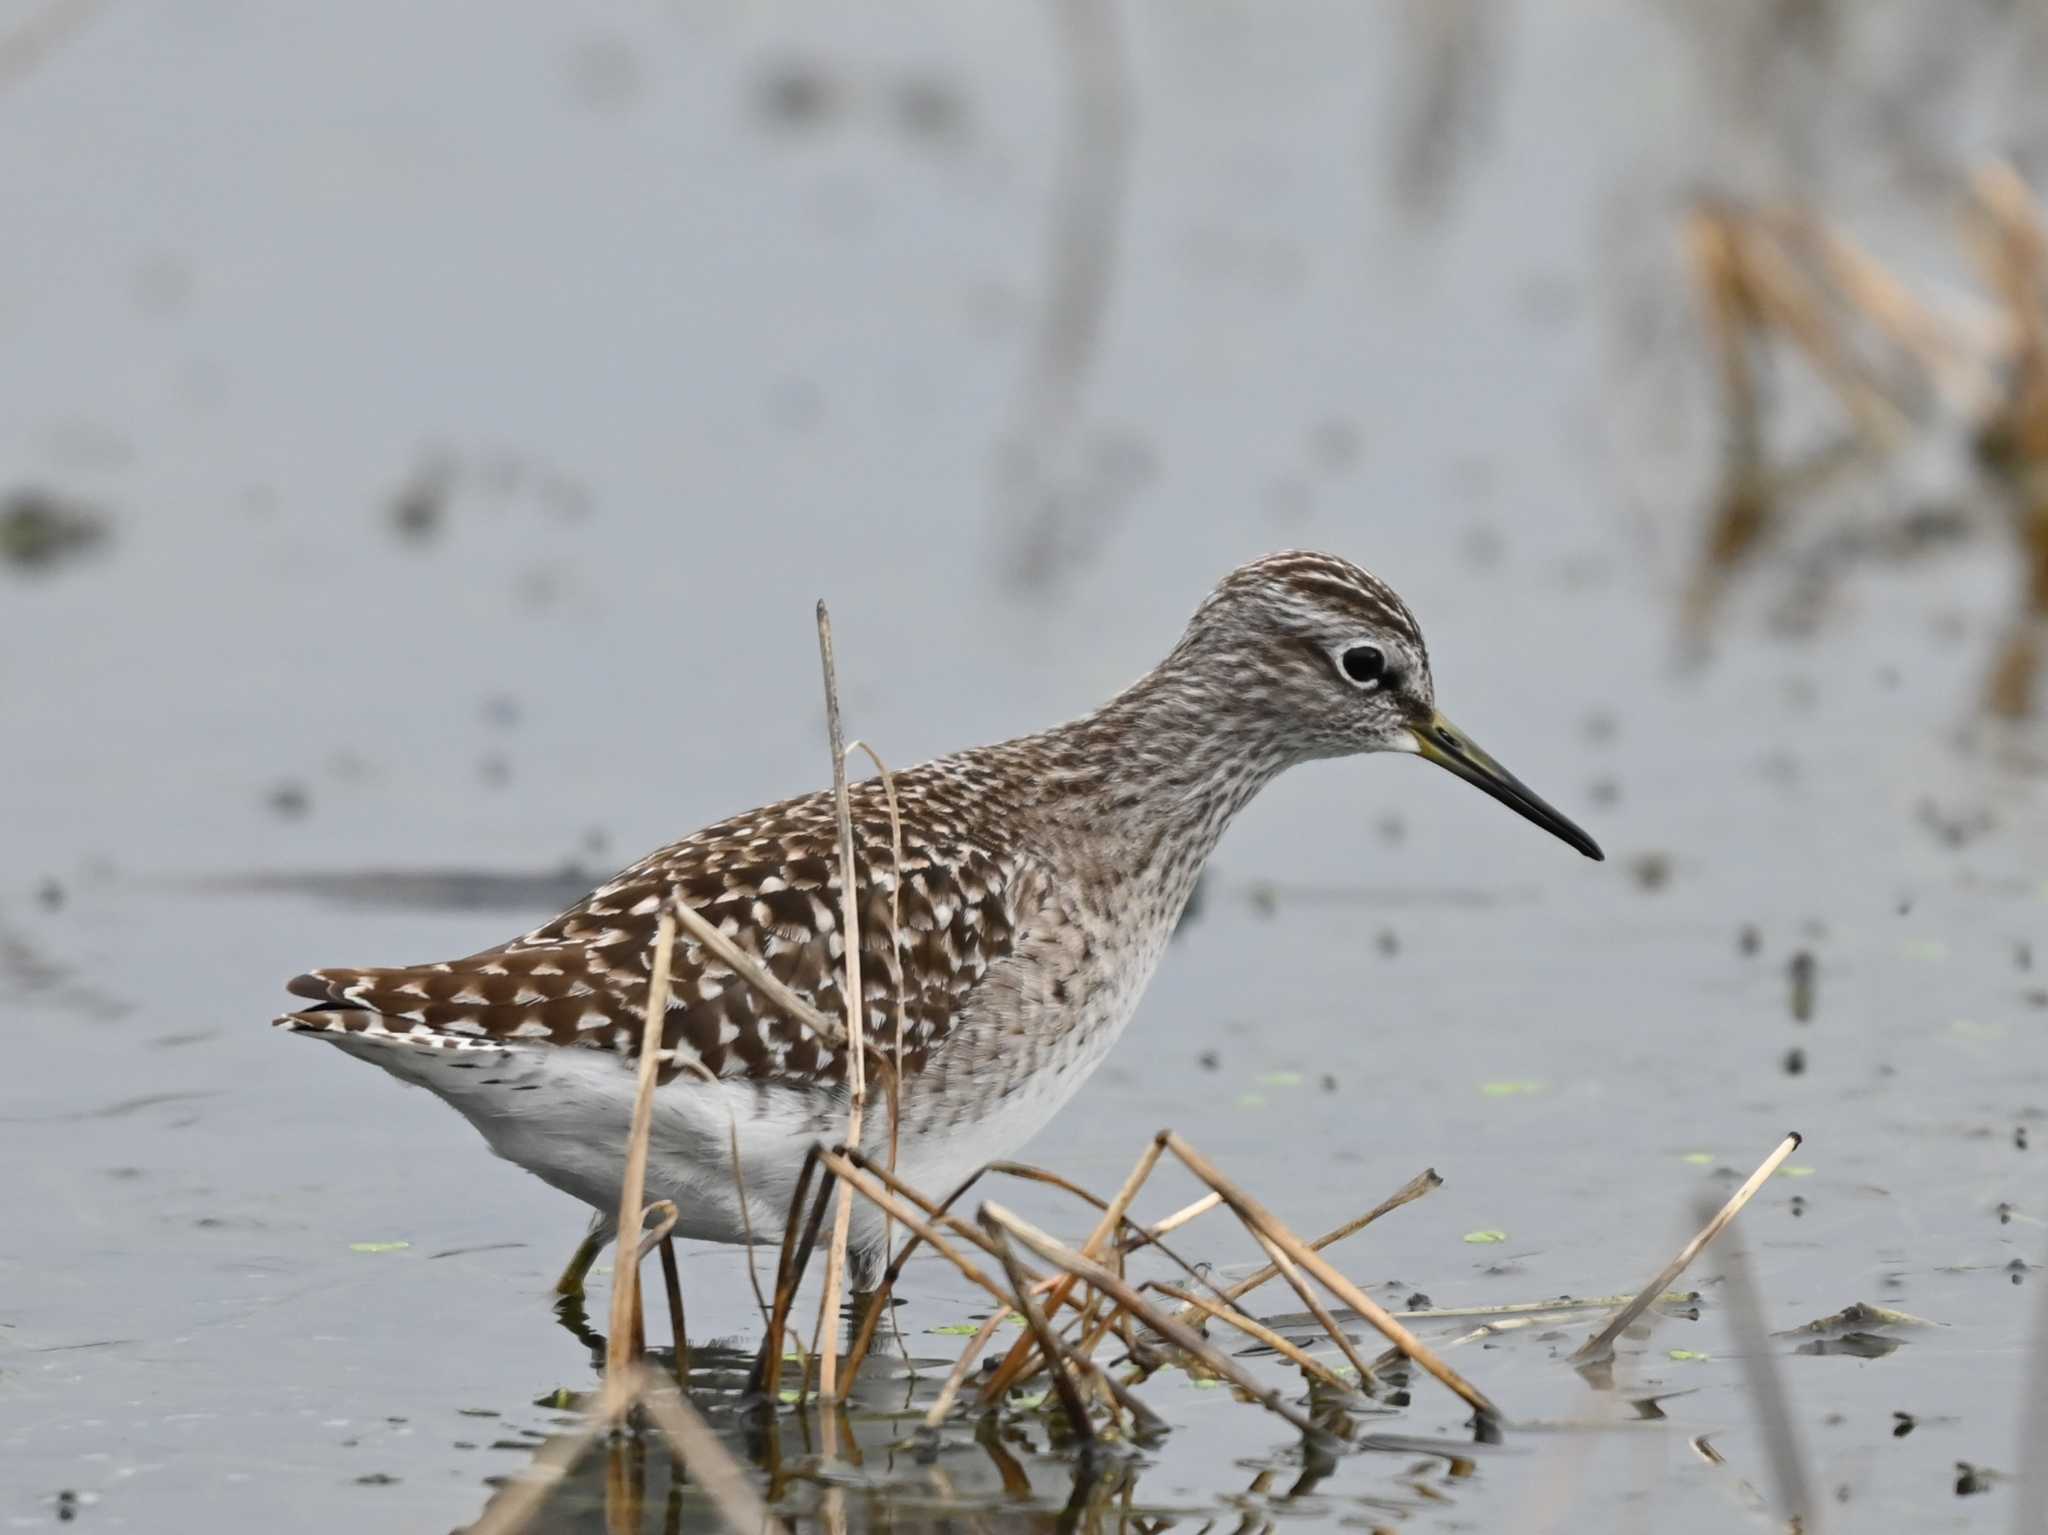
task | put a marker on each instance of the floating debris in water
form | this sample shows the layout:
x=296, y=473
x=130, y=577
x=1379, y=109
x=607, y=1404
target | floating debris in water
x=795, y=95
x=1853, y=1345
x=40, y=530
x=930, y=109
x=1486, y=1238
x=1800, y=974
x=290, y=800
x=1974, y=1479
x=420, y=509
x=1652, y=871
x=378, y=1247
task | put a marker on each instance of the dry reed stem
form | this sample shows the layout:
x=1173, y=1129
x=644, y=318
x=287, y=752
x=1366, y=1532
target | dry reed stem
x=881, y=1197
x=958, y=1375
x=1260, y=1218
x=1181, y=1337
x=1422, y=1183
x=1785, y=296
x=625, y=1486
x=1012, y=1367
x=856, y=1048
x=1955, y=369
x=866, y=1334
x=1317, y=1309
x=708, y=1460
x=1191, y=1211
x=895, y=1073
x=788, y=1273
x=1048, y=1341
x=521, y=1498
x=1256, y=1330
x=1562, y=1303
x=1603, y=1341
x=664, y=1211
x=619, y=1355
x=754, y=974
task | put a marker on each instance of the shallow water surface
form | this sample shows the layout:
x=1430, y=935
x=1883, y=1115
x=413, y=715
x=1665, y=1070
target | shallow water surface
x=471, y=418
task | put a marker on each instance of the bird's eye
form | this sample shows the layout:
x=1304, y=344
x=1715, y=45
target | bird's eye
x=1363, y=664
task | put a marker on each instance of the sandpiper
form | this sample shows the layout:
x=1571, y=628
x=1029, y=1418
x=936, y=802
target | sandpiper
x=1039, y=882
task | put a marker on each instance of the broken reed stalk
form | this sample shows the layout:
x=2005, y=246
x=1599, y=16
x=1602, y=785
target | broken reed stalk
x=895, y=1072
x=521, y=1498
x=1317, y=1309
x=1257, y=1331
x=625, y=1486
x=1048, y=1341
x=789, y=1271
x=958, y=1375
x=708, y=1461
x=1184, y=1338
x=1260, y=1219
x=872, y=1188
x=1191, y=1211
x=1012, y=1367
x=1602, y=1342
x=756, y=975
x=619, y=1354
x=1422, y=1183
x=864, y=1337
x=856, y=1047
x=710, y=1464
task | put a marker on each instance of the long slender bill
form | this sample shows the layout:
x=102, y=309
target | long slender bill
x=1448, y=747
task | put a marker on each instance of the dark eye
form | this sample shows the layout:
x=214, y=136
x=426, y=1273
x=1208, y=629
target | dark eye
x=1363, y=664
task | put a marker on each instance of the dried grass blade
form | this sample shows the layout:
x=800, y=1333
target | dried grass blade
x=951, y=1389
x=619, y=1358
x=1257, y=1216
x=750, y=970
x=1019, y=1357
x=889, y=1203
x=1602, y=1342
x=1180, y=1336
x=1317, y=1309
x=1258, y=1332
x=1048, y=1341
x=1422, y=1183
x=856, y=1047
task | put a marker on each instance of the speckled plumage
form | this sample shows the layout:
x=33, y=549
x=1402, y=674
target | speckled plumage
x=1039, y=882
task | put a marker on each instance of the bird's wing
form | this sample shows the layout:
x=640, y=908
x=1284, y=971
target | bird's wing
x=770, y=881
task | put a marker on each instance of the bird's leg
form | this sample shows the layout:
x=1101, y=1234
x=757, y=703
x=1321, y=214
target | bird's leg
x=859, y=1306
x=571, y=1282
x=672, y=1282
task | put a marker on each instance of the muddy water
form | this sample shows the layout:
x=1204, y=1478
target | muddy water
x=474, y=416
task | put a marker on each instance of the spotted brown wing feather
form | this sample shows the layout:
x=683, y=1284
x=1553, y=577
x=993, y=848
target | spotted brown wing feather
x=770, y=881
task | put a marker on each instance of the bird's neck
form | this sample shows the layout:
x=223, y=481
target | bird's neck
x=1162, y=768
